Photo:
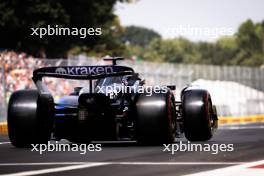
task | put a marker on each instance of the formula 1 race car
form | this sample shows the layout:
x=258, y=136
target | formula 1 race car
x=115, y=105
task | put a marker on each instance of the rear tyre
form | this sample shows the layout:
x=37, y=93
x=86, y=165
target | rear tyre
x=29, y=118
x=155, y=119
x=197, y=114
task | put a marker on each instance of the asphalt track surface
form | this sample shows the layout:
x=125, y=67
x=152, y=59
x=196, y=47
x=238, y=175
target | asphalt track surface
x=129, y=159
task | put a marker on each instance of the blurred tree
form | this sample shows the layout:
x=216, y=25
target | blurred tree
x=133, y=51
x=178, y=50
x=18, y=16
x=206, y=51
x=219, y=53
x=250, y=44
x=246, y=47
x=248, y=37
x=225, y=51
x=135, y=35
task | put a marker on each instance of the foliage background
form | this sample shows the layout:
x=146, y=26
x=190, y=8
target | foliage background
x=246, y=47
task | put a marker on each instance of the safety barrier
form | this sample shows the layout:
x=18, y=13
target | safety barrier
x=241, y=120
x=3, y=128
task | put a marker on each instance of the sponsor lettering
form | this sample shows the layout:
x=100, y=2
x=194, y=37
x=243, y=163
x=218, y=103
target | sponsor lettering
x=84, y=70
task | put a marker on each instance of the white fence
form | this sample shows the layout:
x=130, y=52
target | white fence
x=2, y=95
x=236, y=91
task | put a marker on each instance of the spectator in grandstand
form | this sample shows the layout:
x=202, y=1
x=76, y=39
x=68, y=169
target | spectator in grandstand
x=18, y=68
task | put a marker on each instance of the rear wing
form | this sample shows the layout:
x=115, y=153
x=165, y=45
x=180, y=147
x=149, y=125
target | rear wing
x=82, y=72
x=78, y=73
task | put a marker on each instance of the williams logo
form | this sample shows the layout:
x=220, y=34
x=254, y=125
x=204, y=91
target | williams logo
x=92, y=70
x=61, y=71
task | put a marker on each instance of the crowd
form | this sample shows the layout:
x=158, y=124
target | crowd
x=16, y=72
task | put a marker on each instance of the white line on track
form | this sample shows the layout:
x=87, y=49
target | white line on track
x=83, y=165
x=243, y=169
x=122, y=163
x=52, y=170
x=177, y=163
x=43, y=164
x=241, y=126
x=5, y=143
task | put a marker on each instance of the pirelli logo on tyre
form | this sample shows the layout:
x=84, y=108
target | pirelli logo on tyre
x=84, y=70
